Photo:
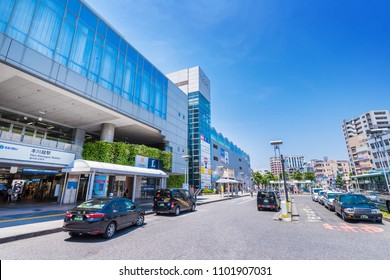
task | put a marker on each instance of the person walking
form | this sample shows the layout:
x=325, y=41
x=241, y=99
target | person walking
x=9, y=195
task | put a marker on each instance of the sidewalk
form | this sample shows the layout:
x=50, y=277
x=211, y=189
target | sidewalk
x=27, y=212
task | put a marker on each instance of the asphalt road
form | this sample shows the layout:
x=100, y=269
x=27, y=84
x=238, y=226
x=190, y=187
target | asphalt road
x=228, y=230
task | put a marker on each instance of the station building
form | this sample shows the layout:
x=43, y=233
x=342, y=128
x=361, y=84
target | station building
x=68, y=77
x=211, y=156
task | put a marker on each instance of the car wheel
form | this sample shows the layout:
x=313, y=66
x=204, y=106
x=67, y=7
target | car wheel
x=343, y=216
x=74, y=234
x=140, y=220
x=379, y=221
x=193, y=207
x=177, y=211
x=110, y=230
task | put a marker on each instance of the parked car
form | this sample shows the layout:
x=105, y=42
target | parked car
x=315, y=193
x=356, y=207
x=102, y=216
x=321, y=196
x=173, y=201
x=328, y=199
x=267, y=200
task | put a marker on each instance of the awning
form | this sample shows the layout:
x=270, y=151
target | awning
x=87, y=166
x=221, y=181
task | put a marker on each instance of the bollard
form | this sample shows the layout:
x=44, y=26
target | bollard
x=283, y=207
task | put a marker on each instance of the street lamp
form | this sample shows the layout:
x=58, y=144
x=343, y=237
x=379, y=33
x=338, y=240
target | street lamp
x=377, y=133
x=276, y=144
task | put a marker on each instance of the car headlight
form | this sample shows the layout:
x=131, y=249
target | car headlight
x=349, y=210
x=376, y=211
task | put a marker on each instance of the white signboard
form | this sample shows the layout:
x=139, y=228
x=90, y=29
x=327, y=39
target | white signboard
x=205, y=162
x=34, y=154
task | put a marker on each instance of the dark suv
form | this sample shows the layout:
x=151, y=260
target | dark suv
x=267, y=200
x=167, y=201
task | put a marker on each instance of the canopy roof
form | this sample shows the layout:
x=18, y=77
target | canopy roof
x=223, y=180
x=87, y=166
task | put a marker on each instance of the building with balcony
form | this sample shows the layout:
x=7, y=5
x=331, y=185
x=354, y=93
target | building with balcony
x=355, y=135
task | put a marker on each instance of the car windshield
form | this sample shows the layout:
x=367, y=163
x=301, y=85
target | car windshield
x=321, y=193
x=316, y=190
x=162, y=194
x=354, y=199
x=266, y=195
x=331, y=195
x=94, y=204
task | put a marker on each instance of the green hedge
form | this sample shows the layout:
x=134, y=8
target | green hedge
x=175, y=181
x=122, y=153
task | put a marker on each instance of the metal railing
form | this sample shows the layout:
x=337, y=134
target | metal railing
x=26, y=139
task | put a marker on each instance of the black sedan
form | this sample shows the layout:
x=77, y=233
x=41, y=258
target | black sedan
x=102, y=216
x=356, y=207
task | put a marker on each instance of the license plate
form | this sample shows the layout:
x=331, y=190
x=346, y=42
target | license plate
x=161, y=204
x=265, y=200
x=78, y=218
x=363, y=217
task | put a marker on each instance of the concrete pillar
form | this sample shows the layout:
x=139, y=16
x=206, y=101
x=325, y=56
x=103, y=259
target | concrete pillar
x=108, y=131
x=79, y=137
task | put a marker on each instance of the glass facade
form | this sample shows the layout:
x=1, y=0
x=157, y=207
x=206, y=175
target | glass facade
x=199, y=124
x=223, y=141
x=68, y=32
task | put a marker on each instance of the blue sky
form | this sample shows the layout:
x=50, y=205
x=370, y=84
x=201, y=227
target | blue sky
x=290, y=70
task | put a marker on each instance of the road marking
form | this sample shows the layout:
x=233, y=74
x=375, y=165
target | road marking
x=311, y=215
x=250, y=200
x=348, y=228
x=31, y=218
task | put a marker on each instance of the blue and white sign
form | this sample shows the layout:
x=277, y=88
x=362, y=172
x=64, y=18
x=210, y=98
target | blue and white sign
x=34, y=154
x=146, y=162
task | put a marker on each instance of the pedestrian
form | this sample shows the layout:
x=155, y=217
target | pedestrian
x=251, y=191
x=9, y=195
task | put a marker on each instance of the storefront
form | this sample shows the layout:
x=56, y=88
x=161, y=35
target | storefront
x=86, y=179
x=34, y=171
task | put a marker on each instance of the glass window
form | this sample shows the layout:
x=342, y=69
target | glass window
x=88, y=17
x=107, y=69
x=45, y=29
x=145, y=88
x=64, y=43
x=137, y=93
x=152, y=96
x=74, y=6
x=5, y=13
x=123, y=46
x=96, y=59
x=71, y=18
x=119, y=77
x=132, y=54
x=112, y=38
x=81, y=53
x=158, y=99
x=20, y=21
x=128, y=80
x=102, y=28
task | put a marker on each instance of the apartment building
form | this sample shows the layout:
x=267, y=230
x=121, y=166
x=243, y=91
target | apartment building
x=356, y=138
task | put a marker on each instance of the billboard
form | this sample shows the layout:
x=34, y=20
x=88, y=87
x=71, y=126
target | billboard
x=205, y=157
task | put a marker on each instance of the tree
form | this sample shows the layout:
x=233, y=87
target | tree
x=297, y=176
x=257, y=178
x=339, y=180
x=309, y=176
